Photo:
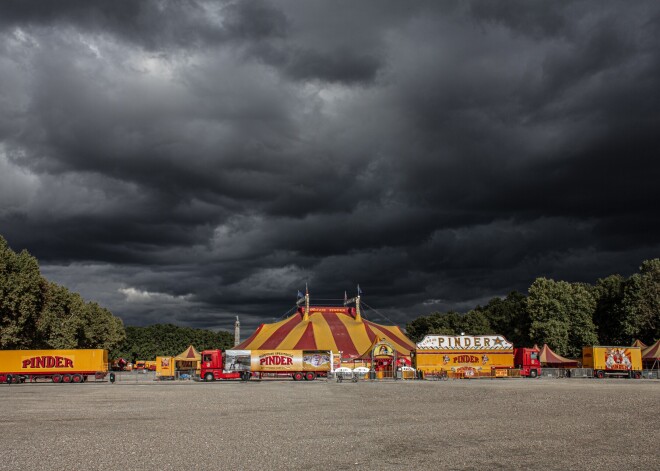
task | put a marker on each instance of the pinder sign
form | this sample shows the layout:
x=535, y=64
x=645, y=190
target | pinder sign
x=47, y=361
x=465, y=342
x=276, y=360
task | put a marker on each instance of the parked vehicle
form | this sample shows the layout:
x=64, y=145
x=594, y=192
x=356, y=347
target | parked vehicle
x=613, y=361
x=165, y=368
x=527, y=360
x=469, y=356
x=234, y=364
x=58, y=366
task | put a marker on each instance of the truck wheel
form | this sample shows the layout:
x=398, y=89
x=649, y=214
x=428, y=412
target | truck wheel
x=57, y=378
x=209, y=377
x=297, y=376
x=66, y=378
x=638, y=375
x=309, y=376
x=77, y=378
x=532, y=373
x=600, y=374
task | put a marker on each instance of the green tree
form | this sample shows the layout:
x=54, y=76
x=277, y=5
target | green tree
x=146, y=343
x=509, y=317
x=21, y=299
x=561, y=315
x=641, y=303
x=609, y=313
x=35, y=313
x=59, y=321
x=448, y=323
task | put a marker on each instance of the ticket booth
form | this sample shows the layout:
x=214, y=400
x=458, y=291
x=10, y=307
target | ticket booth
x=384, y=360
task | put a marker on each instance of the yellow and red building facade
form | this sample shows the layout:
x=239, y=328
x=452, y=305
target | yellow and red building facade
x=463, y=355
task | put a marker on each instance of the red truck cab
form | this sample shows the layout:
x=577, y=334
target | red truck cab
x=213, y=366
x=527, y=360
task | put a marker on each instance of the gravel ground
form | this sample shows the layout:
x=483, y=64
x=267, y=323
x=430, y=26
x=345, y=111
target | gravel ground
x=283, y=425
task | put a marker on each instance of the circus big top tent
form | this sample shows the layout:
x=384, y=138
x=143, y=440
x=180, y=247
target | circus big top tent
x=340, y=329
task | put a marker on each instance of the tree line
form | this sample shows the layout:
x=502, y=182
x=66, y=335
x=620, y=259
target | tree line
x=38, y=314
x=567, y=316
x=146, y=343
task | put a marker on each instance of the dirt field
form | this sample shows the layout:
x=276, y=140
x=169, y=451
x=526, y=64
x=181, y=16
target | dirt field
x=281, y=425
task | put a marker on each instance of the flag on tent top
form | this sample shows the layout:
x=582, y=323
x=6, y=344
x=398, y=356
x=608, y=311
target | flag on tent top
x=359, y=290
x=300, y=295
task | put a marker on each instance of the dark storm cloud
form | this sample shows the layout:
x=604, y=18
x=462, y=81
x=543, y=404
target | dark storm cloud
x=153, y=24
x=192, y=161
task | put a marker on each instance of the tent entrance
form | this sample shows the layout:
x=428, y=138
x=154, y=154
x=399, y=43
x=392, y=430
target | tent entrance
x=383, y=360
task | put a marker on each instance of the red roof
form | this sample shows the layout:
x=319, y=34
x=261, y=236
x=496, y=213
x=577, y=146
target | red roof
x=548, y=357
x=652, y=352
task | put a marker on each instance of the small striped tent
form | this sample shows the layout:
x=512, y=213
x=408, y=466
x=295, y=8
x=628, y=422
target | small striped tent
x=339, y=329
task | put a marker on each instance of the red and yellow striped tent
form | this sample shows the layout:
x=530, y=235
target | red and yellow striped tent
x=328, y=328
x=652, y=352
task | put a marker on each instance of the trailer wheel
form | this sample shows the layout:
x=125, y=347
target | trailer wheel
x=76, y=378
x=600, y=374
x=209, y=377
x=297, y=376
x=309, y=376
x=57, y=378
x=532, y=373
x=638, y=375
x=66, y=378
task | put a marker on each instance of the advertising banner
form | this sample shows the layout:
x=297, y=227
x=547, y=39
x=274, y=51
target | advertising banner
x=237, y=360
x=276, y=360
x=383, y=350
x=316, y=361
x=618, y=359
x=165, y=366
x=48, y=361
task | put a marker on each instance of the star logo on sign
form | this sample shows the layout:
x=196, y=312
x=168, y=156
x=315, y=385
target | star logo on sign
x=498, y=341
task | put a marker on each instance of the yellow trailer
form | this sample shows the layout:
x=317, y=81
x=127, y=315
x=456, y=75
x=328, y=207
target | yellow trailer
x=613, y=361
x=462, y=356
x=165, y=368
x=298, y=364
x=58, y=366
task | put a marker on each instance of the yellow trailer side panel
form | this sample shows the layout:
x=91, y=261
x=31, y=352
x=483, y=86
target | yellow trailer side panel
x=612, y=358
x=165, y=367
x=480, y=360
x=289, y=360
x=53, y=361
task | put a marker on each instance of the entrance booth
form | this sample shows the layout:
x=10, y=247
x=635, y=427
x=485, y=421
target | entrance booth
x=384, y=360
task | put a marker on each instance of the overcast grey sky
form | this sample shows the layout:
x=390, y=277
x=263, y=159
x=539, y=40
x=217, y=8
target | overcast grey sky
x=186, y=162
